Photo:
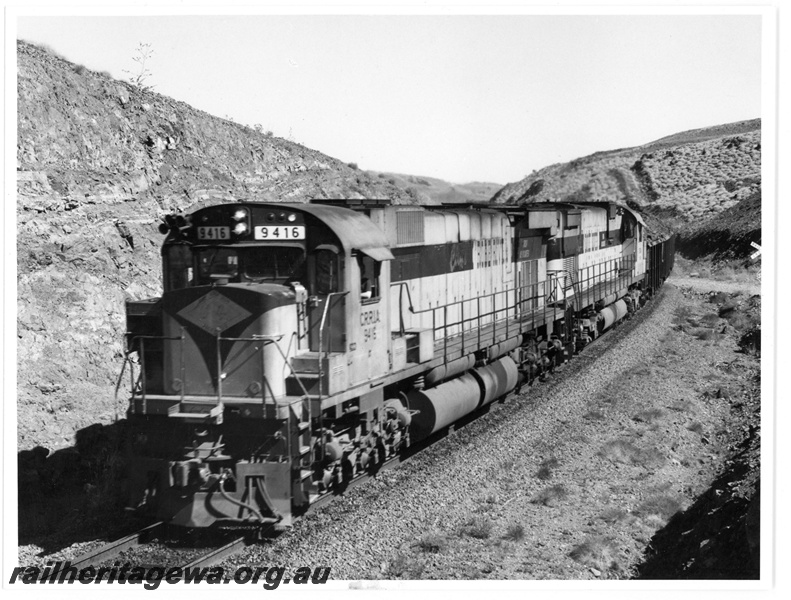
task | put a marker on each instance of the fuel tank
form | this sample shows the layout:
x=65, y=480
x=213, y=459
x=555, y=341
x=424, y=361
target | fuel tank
x=450, y=401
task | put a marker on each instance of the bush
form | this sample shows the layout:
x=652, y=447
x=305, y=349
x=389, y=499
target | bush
x=353, y=165
x=649, y=415
x=659, y=506
x=514, y=532
x=546, y=470
x=598, y=552
x=551, y=496
x=478, y=528
x=432, y=543
x=625, y=452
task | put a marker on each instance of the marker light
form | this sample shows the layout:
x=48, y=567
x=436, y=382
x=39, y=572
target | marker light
x=292, y=217
x=281, y=217
x=240, y=215
x=240, y=228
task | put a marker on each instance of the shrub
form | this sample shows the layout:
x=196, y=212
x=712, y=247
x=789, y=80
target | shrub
x=594, y=415
x=625, y=452
x=551, y=496
x=613, y=515
x=353, y=165
x=514, y=532
x=659, y=506
x=598, y=552
x=432, y=543
x=478, y=528
x=545, y=471
x=649, y=415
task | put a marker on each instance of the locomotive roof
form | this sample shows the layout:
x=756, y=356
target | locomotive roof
x=354, y=230
x=572, y=205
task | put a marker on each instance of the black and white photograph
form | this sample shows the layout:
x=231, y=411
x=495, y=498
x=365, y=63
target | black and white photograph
x=388, y=297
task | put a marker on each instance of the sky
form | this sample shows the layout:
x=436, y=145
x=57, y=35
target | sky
x=459, y=97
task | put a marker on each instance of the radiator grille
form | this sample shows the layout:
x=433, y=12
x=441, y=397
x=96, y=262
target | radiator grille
x=409, y=227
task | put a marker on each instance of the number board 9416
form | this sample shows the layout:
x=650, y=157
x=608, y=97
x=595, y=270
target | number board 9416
x=279, y=232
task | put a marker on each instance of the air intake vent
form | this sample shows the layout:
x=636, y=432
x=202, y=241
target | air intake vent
x=409, y=225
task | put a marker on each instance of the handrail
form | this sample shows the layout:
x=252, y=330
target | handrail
x=326, y=310
x=610, y=277
x=327, y=303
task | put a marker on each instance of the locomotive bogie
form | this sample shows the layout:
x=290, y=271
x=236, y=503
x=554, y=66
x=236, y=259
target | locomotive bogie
x=296, y=347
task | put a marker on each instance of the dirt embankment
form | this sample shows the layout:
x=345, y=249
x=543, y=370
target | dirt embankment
x=99, y=162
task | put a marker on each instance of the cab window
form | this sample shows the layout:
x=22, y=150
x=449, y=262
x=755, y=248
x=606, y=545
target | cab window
x=369, y=277
x=177, y=267
x=273, y=263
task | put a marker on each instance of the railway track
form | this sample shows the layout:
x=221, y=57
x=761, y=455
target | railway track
x=151, y=546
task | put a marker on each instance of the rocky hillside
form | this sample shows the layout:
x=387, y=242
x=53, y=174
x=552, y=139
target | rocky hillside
x=99, y=161
x=686, y=177
x=727, y=236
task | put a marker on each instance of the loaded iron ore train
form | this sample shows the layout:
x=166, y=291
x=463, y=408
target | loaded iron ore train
x=298, y=346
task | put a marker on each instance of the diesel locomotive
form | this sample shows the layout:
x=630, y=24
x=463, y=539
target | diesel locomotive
x=298, y=346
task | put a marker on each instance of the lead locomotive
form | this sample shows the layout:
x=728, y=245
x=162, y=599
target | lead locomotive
x=297, y=346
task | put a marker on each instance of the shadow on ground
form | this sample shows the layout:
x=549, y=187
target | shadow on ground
x=71, y=495
x=718, y=536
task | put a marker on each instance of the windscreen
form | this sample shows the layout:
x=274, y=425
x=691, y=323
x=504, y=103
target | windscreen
x=258, y=264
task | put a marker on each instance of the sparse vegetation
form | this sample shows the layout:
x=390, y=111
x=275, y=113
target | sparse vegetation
x=625, y=452
x=660, y=506
x=432, y=543
x=547, y=467
x=478, y=527
x=551, y=496
x=648, y=415
x=599, y=552
x=514, y=533
x=613, y=515
x=594, y=415
x=139, y=78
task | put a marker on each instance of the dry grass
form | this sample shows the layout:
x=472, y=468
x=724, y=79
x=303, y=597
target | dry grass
x=648, y=415
x=479, y=528
x=514, y=532
x=625, y=452
x=598, y=552
x=613, y=515
x=432, y=543
x=551, y=496
x=403, y=566
x=547, y=468
x=661, y=506
x=594, y=415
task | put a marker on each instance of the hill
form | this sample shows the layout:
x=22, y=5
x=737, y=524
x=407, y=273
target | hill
x=99, y=162
x=430, y=190
x=683, y=178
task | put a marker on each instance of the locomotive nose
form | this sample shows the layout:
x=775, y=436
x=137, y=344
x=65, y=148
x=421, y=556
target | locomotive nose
x=229, y=339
